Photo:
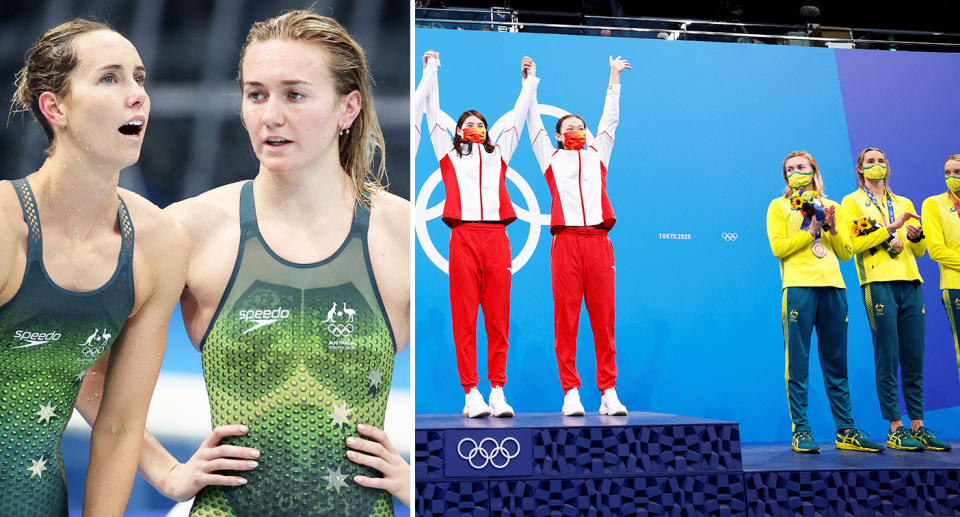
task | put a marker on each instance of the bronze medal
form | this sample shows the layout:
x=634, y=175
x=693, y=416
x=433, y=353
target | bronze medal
x=819, y=250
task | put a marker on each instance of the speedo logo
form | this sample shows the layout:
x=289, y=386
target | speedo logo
x=34, y=338
x=263, y=317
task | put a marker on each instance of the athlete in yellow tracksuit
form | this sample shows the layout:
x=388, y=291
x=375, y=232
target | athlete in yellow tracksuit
x=941, y=221
x=886, y=250
x=814, y=295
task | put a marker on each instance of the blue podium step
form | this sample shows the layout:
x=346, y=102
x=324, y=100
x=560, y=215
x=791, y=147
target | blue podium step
x=547, y=464
x=835, y=483
x=659, y=464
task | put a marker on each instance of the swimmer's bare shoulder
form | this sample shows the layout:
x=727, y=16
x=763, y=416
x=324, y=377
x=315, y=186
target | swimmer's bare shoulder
x=389, y=239
x=160, y=250
x=13, y=240
x=212, y=220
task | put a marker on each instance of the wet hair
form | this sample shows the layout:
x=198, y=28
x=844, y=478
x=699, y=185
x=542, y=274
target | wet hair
x=560, y=124
x=886, y=179
x=487, y=146
x=348, y=66
x=48, y=65
x=817, y=179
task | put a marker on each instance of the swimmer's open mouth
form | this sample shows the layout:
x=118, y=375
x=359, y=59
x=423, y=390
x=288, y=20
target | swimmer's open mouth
x=277, y=141
x=132, y=128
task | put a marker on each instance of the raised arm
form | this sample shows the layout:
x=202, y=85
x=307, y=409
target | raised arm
x=420, y=96
x=442, y=141
x=509, y=137
x=611, y=110
x=539, y=138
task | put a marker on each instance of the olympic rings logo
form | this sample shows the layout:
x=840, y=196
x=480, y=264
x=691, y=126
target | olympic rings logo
x=489, y=456
x=91, y=351
x=340, y=329
x=729, y=237
x=531, y=214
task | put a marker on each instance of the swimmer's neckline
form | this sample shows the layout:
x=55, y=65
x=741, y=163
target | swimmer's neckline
x=256, y=227
x=43, y=268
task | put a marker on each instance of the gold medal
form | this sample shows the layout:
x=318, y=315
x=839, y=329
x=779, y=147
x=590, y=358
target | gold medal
x=819, y=250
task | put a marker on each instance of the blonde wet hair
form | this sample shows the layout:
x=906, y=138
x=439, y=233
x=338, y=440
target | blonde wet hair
x=47, y=69
x=348, y=65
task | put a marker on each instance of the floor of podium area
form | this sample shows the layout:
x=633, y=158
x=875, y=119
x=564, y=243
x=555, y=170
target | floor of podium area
x=660, y=464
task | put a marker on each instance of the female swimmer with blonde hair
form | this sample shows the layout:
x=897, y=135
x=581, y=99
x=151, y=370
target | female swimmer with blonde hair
x=814, y=295
x=84, y=301
x=297, y=293
x=941, y=217
x=886, y=250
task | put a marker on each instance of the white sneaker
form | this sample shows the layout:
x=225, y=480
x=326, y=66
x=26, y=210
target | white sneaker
x=610, y=404
x=571, y=403
x=474, y=406
x=498, y=403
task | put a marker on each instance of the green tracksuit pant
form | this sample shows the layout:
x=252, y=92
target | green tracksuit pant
x=826, y=309
x=896, y=315
x=951, y=302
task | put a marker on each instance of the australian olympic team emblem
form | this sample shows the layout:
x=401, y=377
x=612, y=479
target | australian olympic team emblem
x=497, y=455
x=94, y=346
x=530, y=215
x=340, y=323
x=340, y=320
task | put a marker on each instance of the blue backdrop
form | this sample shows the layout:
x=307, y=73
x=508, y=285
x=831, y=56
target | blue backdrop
x=703, y=131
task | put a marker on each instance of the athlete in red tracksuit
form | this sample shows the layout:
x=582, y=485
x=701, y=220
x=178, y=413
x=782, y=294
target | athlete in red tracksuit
x=477, y=209
x=581, y=255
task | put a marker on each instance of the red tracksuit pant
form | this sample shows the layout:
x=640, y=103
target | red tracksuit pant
x=480, y=276
x=582, y=267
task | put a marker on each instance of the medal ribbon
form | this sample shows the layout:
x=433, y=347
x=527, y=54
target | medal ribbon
x=876, y=203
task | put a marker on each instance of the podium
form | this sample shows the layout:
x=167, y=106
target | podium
x=660, y=464
x=545, y=463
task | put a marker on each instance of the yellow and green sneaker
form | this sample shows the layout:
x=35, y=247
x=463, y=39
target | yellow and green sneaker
x=925, y=436
x=903, y=440
x=855, y=440
x=803, y=442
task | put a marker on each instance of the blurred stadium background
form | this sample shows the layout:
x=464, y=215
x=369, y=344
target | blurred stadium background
x=195, y=142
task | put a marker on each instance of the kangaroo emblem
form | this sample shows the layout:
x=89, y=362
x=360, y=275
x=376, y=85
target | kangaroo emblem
x=330, y=313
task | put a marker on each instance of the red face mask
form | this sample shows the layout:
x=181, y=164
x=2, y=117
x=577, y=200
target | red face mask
x=474, y=134
x=574, y=140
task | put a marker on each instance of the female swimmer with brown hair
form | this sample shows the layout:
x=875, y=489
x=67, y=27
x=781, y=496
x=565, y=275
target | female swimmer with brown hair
x=84, y=303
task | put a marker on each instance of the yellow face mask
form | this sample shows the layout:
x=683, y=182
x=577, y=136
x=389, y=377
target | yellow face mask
x=799, y=179
x=875, y=172
x=953, y=183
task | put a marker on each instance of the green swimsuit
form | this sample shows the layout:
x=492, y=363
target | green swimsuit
x=49, y=338
x=300, y=353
